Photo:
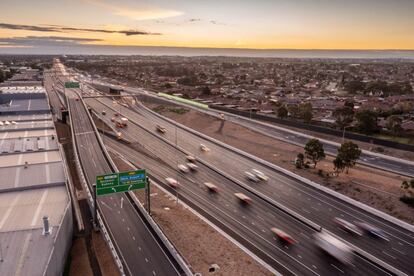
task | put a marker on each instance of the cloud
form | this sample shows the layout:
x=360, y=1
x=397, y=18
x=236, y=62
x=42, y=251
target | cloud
x=56, y=28
x=214, y=22
x=45, y=41
x=136, y=13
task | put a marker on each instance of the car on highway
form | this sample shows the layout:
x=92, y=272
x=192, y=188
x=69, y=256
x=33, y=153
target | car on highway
x=183, y=168
x=204, y=148
x=243, y=198
x=7, y=123
x=77, y=99
x=192, y=166
x=283, y=236
x=113, y=119
x=161, y=129
x=250, y=176
x=347, y=226
x=372, y=230
x=191, y=158
x=119, y=135
x=103, y=112
x=124, y=121
x=260, y=175
x=334, y=247
x=211, y=187
x=172, y=182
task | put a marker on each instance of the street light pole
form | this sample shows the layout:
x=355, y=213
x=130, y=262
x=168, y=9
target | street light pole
x=343, y=133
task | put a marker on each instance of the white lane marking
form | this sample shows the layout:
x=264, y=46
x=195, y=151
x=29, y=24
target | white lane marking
x=337, y=268
x=20, y=263
x=399, y=251
x=7, y=214
x=303, y=234
x=139, y=247
x=304, y=210
x=146, y=260
x=153, y=272
x=385, y=253
x=314, y=266
x=39, y=207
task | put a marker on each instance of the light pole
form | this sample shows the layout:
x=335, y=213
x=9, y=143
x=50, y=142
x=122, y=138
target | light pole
x=176, y=165
x=343, y=133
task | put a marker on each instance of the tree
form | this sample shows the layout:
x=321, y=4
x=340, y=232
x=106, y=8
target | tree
x=408, y=196
x=282, y=112
x=394, y=124
x=367, y=121
x=347, y=156
x=314, y=151
x=300, y=160
x=339, y=164
x=343, y=116
x=305, y=111
x=354, y=86
x=293, y=110
x=349, y=103
x=206, y=90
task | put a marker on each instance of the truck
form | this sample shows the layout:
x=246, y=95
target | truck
x=334, y=247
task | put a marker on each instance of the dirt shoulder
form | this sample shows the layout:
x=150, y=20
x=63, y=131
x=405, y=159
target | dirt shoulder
x=199, y=243
x=373, y=187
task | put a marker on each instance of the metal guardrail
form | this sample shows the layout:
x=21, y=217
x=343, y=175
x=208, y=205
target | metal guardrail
x=102, y=222
x=373, y=211
x=152, y=223
x=351, y=201
x=75, y=203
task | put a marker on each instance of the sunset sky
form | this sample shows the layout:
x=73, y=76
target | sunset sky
x=260, y=24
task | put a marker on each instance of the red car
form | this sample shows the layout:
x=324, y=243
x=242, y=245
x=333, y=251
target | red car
x=283, y=236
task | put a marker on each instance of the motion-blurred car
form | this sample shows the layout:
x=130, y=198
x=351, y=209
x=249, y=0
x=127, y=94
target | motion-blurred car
x=260, y=175
x=192, y=166
x=283, y=236
x=191, y=158
x=251, y=177
x=334, y=247
x=243, y=198
x=372, y=230
x=204, y=148
x=183, y=168
x=161, y=129
x=172, y=182
x=211, y=187
x=347, y=226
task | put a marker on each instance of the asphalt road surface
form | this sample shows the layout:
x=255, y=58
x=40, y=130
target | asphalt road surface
x=142, y=253
x=403, y=167
x=310, y=202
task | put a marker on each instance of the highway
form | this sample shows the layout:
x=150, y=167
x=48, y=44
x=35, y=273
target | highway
x=270, y=215
x=141, y=251
x=397, y=165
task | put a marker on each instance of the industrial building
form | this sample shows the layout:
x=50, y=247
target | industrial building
x=35, y=207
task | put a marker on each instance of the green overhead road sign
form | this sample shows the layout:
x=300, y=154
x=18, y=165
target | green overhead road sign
x=120, y=182
x=72, y=84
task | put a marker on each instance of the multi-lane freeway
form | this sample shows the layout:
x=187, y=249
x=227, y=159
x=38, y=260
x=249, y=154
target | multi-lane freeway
x=140, y=250
x=401, y=166
x=226, y=168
